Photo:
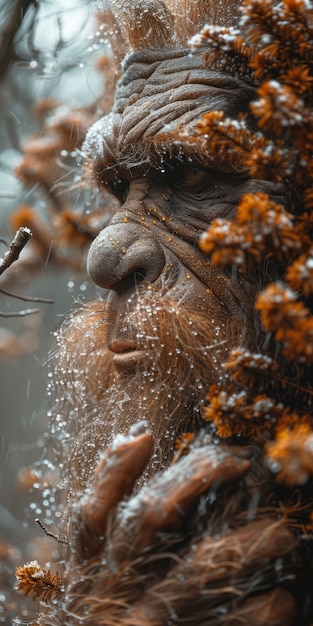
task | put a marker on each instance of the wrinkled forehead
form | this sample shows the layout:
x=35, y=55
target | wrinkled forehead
x=162, y=92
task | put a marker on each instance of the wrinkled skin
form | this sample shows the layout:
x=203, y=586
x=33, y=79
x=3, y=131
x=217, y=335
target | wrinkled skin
x=169, y=194
x=152, y=557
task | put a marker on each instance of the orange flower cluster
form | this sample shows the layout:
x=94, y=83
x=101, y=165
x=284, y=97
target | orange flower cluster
x=183, y=444
x=228, y=40
x=229, y=140
x=248, y=368
x=232, y=142
x=276, y=49
x=38, y=582
x=281, y=36
x=262, y=228
x=273, y=47
x=290, y=321
x=234, y=414
x=290, y=456
x=299, y=275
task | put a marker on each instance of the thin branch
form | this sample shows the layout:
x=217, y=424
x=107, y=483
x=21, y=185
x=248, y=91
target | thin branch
x=50, y=534
x=21, y=238
x=26, y=298
x=19, y=313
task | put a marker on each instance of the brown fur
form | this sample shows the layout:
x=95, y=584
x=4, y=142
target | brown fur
x=157, y=24
x=151, y=541
x=146, y=560
x=184, y=357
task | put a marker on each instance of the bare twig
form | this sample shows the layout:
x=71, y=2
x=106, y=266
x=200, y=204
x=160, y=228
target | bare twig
x=20, y=240
x=19, y=313
x=50, y=534
x=26, y=298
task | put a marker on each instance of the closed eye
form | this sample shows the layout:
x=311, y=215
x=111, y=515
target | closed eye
x=191, y=178
x=194, y=176
x=182, y=174
x=120, y=189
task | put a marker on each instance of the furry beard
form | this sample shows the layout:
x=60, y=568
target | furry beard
x=185, y=351
x=140, y=557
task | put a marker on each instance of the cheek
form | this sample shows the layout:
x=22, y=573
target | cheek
x=192, y=292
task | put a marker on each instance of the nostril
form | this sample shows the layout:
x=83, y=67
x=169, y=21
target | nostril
x=140, y=274
x=130, y=281
x=122, y=257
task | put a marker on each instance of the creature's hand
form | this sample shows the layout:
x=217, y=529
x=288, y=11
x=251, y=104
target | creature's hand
x=144, y=560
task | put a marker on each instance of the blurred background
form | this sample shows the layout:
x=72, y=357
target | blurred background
x=49, y=51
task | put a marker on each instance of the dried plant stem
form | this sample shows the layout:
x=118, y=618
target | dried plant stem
x=19, y=313
x=21, y=238
x=26, y=298
x=48, y=533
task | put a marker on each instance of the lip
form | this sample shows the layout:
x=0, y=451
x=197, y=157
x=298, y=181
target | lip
x=120, y=346
x=126, y=355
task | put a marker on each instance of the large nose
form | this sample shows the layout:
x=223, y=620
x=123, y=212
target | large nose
x=123, y=255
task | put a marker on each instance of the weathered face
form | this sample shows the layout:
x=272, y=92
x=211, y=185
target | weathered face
x=169, y=194
x=172, y=316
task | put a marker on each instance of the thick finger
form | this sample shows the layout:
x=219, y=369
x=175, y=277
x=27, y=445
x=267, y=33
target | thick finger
x=204, y=469
x=114, y=478
x=164, y=502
